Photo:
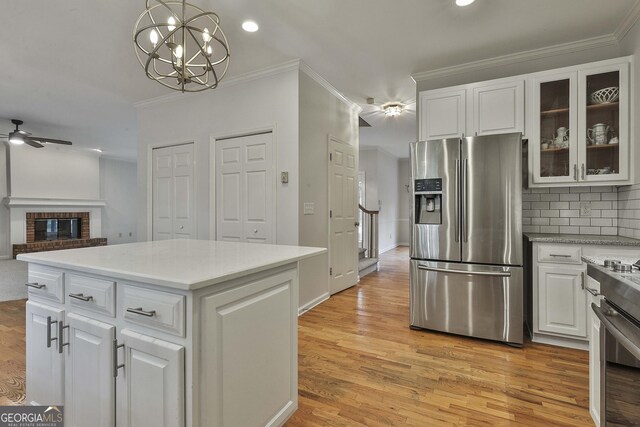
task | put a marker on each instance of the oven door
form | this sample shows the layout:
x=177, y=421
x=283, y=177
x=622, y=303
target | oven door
x=619, y=367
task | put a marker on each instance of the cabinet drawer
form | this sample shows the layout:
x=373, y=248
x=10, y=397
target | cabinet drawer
x=560, y=254
x=89, y=293
x=46, y=283
x=153, y=309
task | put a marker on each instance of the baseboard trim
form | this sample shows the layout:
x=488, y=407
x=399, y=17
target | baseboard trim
x=314, y=302
x=560, y=341
x=388, y=249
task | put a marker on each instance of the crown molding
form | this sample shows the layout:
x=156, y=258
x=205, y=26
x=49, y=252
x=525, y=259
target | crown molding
x=514, y=58
x=628, y=21
x=328, y=86
x=242, y=78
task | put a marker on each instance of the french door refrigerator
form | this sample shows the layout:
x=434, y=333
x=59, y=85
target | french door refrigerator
x=466, y=237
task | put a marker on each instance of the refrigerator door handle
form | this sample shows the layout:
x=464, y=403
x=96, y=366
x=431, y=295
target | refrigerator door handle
x=469, y=273
x=457, y=201
x=465, y=207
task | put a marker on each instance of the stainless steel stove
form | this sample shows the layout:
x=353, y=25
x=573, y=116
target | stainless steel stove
x=620, y=341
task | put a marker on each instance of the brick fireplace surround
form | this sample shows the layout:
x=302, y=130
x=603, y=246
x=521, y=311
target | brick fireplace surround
x=32, y=245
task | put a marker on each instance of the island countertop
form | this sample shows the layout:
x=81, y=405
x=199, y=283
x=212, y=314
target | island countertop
x=180, y=264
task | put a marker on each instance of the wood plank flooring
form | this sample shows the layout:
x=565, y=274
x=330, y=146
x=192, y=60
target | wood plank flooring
x=360, y=364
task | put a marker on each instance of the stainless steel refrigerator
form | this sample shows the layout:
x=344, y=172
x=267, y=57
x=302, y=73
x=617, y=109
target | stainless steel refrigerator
x=466, y=237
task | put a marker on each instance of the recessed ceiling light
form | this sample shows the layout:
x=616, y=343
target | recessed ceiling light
x=464, y=2
x=250, y=26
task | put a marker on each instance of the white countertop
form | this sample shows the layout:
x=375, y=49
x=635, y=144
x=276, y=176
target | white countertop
x=180, y=264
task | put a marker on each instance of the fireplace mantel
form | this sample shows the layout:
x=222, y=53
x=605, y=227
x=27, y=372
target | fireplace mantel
x=31, y=202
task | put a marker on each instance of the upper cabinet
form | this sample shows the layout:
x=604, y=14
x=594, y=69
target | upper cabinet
x=579, y=120
x=476, y=109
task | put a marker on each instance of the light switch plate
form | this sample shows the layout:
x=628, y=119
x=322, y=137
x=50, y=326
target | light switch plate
x=585, y=209
x=309, y=208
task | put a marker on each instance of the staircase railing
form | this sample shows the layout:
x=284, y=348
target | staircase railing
x=370, y=231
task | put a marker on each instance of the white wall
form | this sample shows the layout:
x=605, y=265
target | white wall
x=4, y=211
x=404, y=201
x=269, y=102
x=118, y=189
x=54, y=172
x=382, y=192
x=322, y=115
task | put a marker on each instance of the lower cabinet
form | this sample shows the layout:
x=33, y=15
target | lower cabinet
x=562, y=301
x=594, y=352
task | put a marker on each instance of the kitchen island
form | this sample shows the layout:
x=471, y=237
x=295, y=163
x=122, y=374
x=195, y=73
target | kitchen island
x=165, y=333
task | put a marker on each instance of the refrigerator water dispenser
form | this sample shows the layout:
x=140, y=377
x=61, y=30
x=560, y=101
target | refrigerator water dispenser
x=428, y=203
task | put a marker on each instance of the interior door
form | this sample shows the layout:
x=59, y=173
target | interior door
x=89, y=381
x=343, y=241
x=245, y=182
x=173, y=192
x=492, y=199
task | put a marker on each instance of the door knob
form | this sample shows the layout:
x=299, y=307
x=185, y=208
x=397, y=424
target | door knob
x=255, y=230
x=181, y=227
x=357, y=224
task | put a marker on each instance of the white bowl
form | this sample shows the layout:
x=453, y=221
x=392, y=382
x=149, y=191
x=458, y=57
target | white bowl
x=603, y=96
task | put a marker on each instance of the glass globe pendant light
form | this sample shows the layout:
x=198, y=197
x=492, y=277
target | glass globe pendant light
x=181, y=46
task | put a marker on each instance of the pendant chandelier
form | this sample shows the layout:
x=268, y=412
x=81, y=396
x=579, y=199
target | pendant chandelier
x=181, y=46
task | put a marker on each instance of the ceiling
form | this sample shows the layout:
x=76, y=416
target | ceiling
x=69, y=70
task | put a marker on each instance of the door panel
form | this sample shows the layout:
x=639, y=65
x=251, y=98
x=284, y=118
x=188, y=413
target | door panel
x=465, y=299
x=432, y=160
x=45, y=366
x=343, y=245
x=492, y=199
x=245, y=209
x=498, y=108
x=562, y=301
x=89, y=381
x=162, y=194
x=442, y=114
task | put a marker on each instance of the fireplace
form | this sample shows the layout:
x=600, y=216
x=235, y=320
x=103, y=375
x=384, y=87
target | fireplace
x=57, y=229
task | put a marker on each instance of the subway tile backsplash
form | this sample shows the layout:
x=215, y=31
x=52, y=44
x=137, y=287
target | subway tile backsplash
x=575, y=210
x=629, y=211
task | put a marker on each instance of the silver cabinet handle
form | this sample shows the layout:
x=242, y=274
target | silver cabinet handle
x=583, y=176
x=61, y=343
x=81, y=297
x=457, y=201
x=468, y=273
x=575, y=172
x=593, y=292
x=49, y=324
x=141, y=312
x=624, y=334
x=582, y=280
x=560, y=255
x=35, y=285
x=116, y=366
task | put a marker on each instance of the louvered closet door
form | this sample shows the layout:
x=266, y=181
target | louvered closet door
x=245, y=181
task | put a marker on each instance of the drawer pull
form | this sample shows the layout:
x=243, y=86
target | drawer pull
x=116, y=366
x=142, y=312
x=560, y=255
x=81, y=297
x=49, y=323
x=61, y=343
x=593, y=292
x=35, y=285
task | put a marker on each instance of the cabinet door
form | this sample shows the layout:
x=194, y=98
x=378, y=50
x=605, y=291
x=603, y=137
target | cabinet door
x=442, y=114
x=498, y=108
x=603, y=133
x=594, y=362
x=89, y=381
x=151, y=386
x=562, y=301
x=45, y=366
x=552, y=137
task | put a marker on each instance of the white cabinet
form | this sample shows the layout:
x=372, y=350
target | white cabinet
x=45, y=365
x=442, y=114
x=485, y=108
x=153, y=377
x=594, y=351
x=89, y=381
x=562, y=300
x=579, y=129
x=498, y=108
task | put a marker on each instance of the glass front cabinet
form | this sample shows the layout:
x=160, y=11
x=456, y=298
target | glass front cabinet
x=579, y=130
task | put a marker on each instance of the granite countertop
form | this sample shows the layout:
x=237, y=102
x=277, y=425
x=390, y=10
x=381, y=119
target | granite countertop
x=180, y=264
x=582, y=239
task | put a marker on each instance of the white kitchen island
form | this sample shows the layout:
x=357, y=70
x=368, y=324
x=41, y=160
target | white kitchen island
x=165, y=333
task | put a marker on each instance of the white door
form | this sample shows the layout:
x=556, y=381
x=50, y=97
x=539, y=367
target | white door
x=151, y=387
x=173, y=192
x=498, y=108
x=343, y=208
x=89, y=380
x=45, y=366
x=562, y=301
x=442, y=114
x=245, y=181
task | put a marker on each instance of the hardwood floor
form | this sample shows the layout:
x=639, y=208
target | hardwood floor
x=360, y=364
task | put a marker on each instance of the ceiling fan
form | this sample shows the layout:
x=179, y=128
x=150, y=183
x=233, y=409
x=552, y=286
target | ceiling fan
x=19, y=137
